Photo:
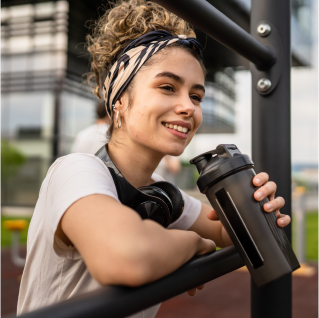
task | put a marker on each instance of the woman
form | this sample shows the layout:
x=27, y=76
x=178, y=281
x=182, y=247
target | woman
x=80, y=236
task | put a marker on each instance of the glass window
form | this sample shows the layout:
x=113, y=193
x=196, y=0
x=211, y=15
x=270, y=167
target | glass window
x=41, y=40
x=77, y=113
x=4, y=14
x=62, y=6
x=44, y=9
x=21, y=11
x=5, y=64
x=4, y=45
x=60, y=60
x=43, y=61
x=26, y=112
x=61, y=40
x=18, y=63
x=20, y=43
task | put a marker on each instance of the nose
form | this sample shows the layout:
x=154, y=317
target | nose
x=185, y=107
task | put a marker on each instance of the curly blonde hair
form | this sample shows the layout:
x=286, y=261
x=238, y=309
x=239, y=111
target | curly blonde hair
x=124, y=22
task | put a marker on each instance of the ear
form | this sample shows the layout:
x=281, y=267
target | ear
x=121, y=104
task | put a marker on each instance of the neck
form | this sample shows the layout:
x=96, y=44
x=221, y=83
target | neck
x=136, y=162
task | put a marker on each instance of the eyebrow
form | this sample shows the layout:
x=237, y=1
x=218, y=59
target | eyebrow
x=173, y=76
x=179, y=80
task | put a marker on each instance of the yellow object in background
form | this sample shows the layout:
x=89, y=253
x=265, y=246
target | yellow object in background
x=15, y=225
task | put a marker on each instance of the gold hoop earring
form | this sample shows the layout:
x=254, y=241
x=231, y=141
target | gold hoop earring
x=117, y=120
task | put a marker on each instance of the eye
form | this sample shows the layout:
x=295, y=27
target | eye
x=196, y=97
x=167, y=88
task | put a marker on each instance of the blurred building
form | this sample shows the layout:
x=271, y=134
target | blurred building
x=45, y=101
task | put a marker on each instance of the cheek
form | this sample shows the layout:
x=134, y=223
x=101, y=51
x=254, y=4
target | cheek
x=139, y=123
x=198, y=117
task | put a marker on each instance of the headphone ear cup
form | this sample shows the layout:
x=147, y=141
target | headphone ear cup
x=175, y=195
x=162, y=214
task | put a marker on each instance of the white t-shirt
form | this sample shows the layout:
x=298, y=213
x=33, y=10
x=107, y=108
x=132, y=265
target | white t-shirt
x=54, y=271
x=90, y=139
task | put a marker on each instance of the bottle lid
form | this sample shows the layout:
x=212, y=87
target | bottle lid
x=218, y=164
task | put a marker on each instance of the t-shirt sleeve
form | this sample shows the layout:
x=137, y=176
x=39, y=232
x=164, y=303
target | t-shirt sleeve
x=192, y=208
x=69, y=179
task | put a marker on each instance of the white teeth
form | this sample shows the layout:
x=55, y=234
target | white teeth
x=178, y=128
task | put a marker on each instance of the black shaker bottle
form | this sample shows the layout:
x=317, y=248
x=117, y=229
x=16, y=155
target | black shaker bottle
x=226, y=178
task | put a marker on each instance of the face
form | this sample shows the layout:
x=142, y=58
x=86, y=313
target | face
x=165, y=109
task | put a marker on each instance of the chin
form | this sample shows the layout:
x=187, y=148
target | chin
x=174, y=150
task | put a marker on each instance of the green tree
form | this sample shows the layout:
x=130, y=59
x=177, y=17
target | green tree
x=11, y=160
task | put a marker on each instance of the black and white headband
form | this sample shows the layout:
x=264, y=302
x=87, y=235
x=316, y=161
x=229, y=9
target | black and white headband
x=134, y=56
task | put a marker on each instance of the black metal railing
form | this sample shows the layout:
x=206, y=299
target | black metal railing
x=109, y=301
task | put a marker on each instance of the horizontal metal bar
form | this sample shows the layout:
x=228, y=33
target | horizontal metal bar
x=119, y=302
x=206, y=18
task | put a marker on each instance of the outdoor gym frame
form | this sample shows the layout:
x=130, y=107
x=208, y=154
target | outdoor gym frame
x=268, y=48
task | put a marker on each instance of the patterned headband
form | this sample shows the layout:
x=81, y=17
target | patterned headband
x=132, y=59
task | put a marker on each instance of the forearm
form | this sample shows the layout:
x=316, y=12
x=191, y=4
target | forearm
x=211, y=229
x=171, y=249
x=156, y=252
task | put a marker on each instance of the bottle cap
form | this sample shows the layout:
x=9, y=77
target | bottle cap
x=218, y=164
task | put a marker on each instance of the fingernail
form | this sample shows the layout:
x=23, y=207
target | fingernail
x=259, y=195
x=281, y=222
x=257, y=180
x=269, y=207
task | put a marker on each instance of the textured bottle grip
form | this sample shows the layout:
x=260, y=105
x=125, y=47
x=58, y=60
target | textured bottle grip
x=239, y=228
x=280, y=236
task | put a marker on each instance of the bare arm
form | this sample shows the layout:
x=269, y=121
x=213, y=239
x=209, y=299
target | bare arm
x=208, y=226
x=119, y=247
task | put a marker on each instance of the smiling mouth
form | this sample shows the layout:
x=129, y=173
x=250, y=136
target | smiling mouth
x=176, y=127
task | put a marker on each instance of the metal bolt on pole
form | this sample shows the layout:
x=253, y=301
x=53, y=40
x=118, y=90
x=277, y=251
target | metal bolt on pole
x=263, y=29
x=264, y=85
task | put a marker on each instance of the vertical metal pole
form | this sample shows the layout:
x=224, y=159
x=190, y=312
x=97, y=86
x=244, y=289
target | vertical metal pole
x=271, y=148
x=56, y=122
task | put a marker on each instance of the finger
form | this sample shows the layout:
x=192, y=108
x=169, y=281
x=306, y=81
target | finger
x=274, y=205
x=284, y=220
x=212, y=215
x=192, y=292
x=266, y=190
x=200, y=287
x=260, y=179
x=206, y=246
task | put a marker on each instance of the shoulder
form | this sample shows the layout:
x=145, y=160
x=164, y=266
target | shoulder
x=77, y=161
x=79, y=171
x=73, y=177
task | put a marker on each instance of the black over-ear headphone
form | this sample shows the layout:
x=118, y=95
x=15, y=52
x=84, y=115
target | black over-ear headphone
x=160, y=201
